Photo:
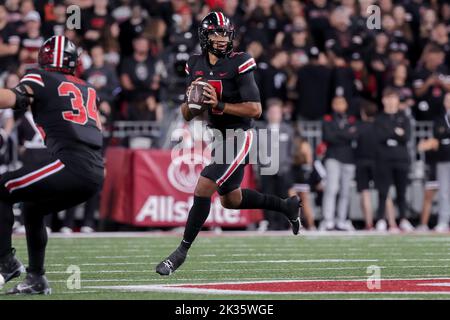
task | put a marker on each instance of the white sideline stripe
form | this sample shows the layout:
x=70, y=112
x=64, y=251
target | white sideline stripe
x=154, y=288
x=154, y=280
x=444, y=284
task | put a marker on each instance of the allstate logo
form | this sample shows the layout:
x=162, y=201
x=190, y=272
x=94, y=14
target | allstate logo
x=184, y=171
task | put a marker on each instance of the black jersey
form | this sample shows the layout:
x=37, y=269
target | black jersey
x=230, y=77
x=65, y=112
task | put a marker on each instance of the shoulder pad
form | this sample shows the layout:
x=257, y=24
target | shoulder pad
x=34, y=76
x=244, y=62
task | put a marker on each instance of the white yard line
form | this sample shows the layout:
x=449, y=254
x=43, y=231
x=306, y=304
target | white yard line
x=304, y=233
x=84, y=272
x=253, y=262
x=138, y=257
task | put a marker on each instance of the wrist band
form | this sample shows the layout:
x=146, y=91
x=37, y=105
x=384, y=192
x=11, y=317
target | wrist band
x=220, y=106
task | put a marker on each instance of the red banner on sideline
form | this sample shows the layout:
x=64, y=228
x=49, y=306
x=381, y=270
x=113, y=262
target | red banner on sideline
x=148, y=188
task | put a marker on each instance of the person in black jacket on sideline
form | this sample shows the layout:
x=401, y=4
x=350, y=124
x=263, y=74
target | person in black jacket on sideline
x=393, y=131
x=442, y=135
x=365, y=154
x=339, y=132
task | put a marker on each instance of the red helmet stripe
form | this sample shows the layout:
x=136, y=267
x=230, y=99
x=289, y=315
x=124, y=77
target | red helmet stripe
x=222, y=19
x=219, y=18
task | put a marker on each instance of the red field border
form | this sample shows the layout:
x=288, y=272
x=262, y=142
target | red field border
x=388, y=286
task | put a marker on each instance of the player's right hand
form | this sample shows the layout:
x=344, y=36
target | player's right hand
x=190, y=86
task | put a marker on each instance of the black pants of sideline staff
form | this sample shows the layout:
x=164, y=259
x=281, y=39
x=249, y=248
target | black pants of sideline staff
x=389, y=173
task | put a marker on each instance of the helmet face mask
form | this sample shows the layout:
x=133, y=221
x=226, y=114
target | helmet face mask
x=216, y=34
x=59, y=54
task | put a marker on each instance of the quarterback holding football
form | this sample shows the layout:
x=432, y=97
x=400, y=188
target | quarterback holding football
x=221, y=81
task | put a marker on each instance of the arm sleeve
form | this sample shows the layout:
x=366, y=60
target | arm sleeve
x=247, y=87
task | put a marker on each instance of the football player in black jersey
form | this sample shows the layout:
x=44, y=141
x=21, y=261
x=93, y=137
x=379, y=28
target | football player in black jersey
x=234, y=102
x=65, y=111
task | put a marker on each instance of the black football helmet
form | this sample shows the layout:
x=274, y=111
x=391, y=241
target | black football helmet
x=58, y=54
x=216, y=22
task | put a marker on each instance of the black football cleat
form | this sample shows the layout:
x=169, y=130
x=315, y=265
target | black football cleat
x=294, y=204
x=10, y=267
x=32, y=284
x=171, y=263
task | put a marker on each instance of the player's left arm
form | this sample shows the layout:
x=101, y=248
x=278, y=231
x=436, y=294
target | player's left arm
x=251, y=107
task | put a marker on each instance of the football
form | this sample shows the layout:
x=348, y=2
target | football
x=196, y=98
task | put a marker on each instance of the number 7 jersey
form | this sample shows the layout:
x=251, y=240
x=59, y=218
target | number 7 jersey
x=233, y=80
x=65, y=110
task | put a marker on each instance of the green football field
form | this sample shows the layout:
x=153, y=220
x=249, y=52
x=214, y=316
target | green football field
x=254, y=266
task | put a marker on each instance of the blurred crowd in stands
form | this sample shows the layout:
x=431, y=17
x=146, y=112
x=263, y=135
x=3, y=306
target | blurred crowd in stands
x=317, y=60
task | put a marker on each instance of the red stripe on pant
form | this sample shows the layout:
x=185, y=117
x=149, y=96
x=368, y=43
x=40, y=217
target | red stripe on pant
x=241, y=156
x=29, y=179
